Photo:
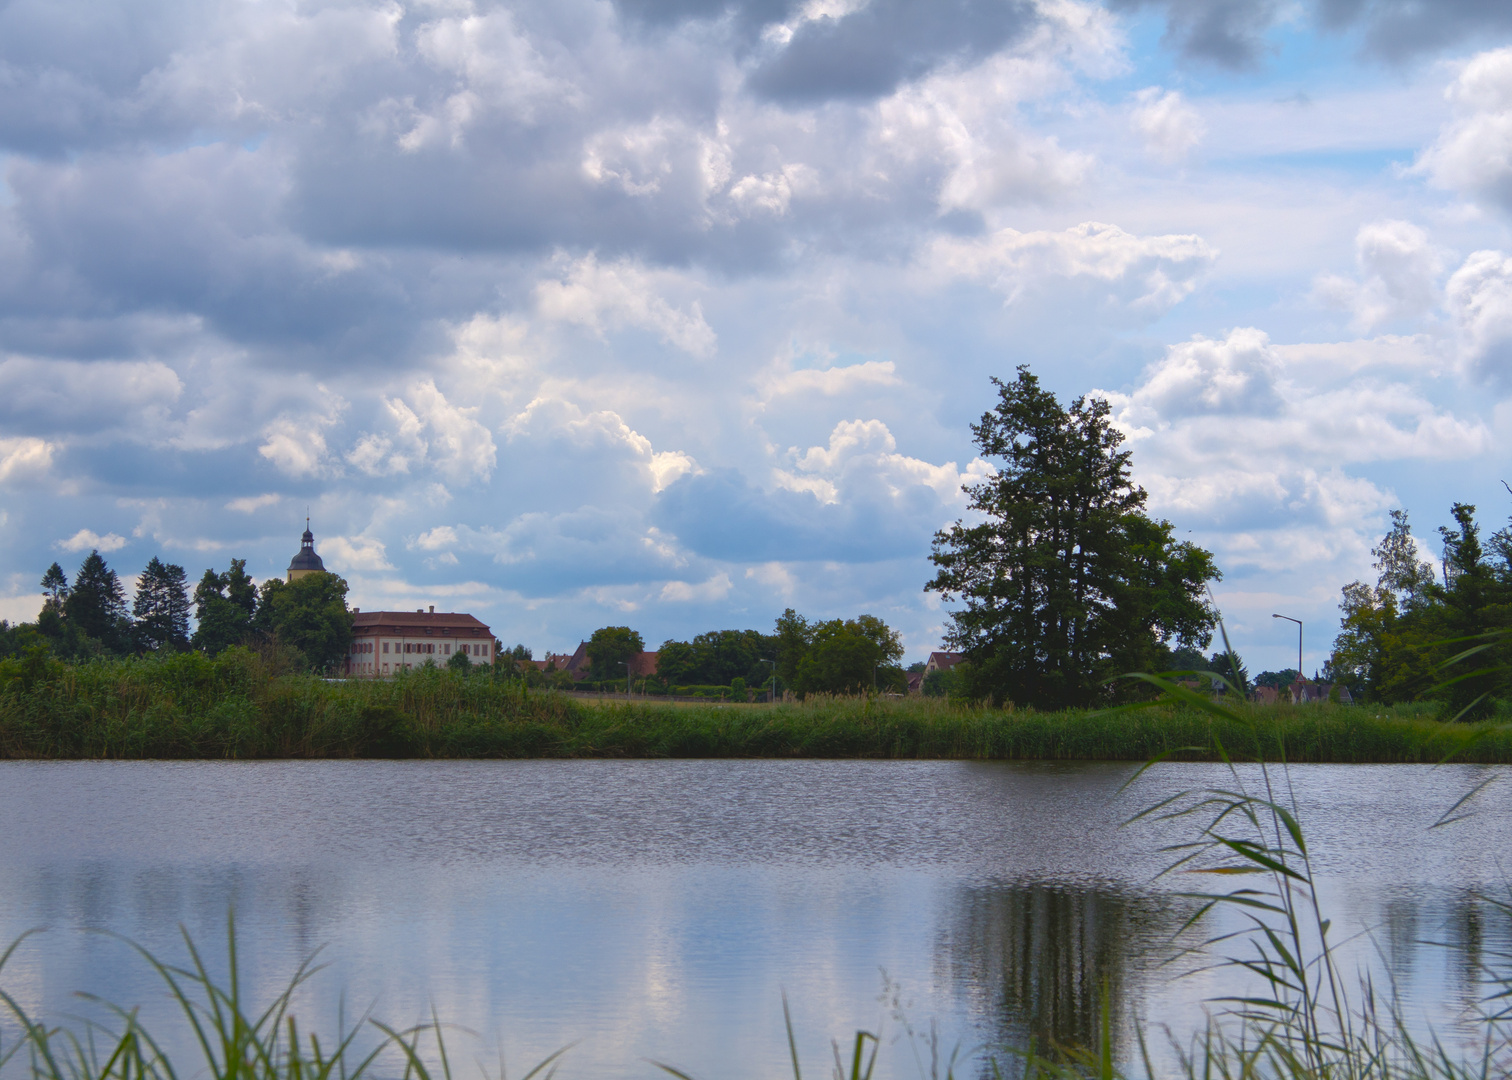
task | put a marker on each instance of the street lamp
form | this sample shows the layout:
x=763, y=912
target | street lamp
x=1288, y=618
x=626, y=665
x=774, y=678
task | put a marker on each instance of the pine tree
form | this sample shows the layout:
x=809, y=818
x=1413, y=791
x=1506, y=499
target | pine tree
x=1067, y=583
x=96, y=604
x=55, y=585
x=162, y=606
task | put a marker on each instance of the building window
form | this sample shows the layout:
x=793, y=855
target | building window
x=385, y=646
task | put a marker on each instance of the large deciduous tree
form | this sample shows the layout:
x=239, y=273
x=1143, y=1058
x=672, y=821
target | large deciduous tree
x=1066, y=583
x=610, y=647
x=223, y=607
x=837, y=656
x=308, y=614
x=161, y=607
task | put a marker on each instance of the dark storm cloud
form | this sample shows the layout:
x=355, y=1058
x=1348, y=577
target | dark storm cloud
x=1402, y=29
x=869, y=52
x=750, y=13
x=1231, y=33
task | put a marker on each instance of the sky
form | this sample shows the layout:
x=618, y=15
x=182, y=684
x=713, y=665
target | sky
x=675, y=313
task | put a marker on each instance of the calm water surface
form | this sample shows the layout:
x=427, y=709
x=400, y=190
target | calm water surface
x=660, y=909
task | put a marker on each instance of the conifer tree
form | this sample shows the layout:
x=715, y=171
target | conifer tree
x=96, y=605
x=161, y=607
x=55, y=585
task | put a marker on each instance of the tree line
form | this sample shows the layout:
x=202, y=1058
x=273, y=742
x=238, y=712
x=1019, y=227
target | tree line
x=833, y=656
x=307, y=619
x=1400, y=636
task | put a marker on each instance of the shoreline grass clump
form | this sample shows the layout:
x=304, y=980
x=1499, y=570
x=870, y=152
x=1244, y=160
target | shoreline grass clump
x=244, y=705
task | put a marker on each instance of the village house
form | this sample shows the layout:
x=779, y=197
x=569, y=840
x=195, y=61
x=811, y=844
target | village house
x=577, y=664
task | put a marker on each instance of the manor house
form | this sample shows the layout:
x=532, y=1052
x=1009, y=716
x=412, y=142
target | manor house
x=387, y=642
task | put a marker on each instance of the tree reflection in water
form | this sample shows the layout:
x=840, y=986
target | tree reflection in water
x=1031, y=959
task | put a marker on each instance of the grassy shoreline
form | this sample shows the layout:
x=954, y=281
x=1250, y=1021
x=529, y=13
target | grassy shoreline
x=233, y=707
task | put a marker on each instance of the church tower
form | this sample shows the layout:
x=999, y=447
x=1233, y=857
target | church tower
x=306, y=562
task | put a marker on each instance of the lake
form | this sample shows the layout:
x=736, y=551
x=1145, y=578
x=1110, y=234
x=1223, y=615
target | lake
x=660, y=909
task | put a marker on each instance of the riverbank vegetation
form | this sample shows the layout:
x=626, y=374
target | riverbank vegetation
x=248, y=703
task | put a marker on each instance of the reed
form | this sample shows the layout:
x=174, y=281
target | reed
x=240, y=705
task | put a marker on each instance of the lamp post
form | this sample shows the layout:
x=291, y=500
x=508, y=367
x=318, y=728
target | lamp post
x=1288, y=618
x=626, y=665
x=774, y=678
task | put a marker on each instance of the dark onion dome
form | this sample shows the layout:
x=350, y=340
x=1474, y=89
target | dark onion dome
x=306, y=559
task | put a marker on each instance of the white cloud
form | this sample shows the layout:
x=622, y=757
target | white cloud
x=24, y=458
x=1399, y=272
x=602, y=430
x=428, y=430
x=1171, y=128
x=294, y=446
x=347, y=553
x=623, y=294
x=682, y=592
x=861, y=456
x=1473, y=153
x=830, y=381
x=85, y=539
x=1146, y=274
x=1479, y=299
x=1253, y=443
x=251, y=504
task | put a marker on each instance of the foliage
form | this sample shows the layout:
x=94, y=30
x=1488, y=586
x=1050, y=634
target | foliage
x=1277, y=680
x=837, y=656
x=946, y=684
x=610, y=648
x=308, y=614
x=224, y=605
x=459, y=661
x=1396, y=633
x=1066, y=583
x=96, y=605
x=55, y=587
x=161, y=607
x=716, y=658
x=258, y=703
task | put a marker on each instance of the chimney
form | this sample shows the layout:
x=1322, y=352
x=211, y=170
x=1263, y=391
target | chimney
x=355, y=610
x=419, y=611
x=433, y=609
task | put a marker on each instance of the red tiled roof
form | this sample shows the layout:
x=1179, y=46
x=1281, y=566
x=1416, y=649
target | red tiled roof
x=374, y=622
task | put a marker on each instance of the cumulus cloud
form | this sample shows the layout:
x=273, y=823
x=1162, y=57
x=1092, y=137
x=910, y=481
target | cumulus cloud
x=855, y=498
x=354, y=553
x=1237, y=435
x=704, y=592
x=251, y=504
x=1479, y=298
x=1473, y=153
x=1399, y=271
x=24, y=458
x=622, y=294
x=1145, y=275
x=1170, y=127
x=85, y=539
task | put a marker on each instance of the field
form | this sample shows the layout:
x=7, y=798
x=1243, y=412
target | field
x=239, y=706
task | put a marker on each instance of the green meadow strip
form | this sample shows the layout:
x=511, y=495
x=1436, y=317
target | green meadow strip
x=188, y=706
